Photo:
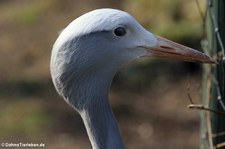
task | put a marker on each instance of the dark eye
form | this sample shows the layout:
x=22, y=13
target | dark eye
x=120, y=31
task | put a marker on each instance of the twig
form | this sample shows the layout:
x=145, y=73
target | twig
x=199, y=106
x=188, y=92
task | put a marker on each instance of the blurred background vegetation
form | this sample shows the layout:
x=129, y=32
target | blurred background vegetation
x=149, y=97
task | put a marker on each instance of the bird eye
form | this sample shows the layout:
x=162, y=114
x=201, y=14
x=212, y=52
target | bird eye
x=119, y=31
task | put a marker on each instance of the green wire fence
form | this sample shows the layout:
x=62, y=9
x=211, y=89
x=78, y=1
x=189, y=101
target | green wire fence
x=213, y=94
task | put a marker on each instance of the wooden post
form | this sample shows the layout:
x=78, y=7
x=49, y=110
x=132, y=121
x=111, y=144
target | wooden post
x=213, y=92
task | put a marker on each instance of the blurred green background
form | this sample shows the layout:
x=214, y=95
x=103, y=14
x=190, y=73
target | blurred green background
x=149, y=97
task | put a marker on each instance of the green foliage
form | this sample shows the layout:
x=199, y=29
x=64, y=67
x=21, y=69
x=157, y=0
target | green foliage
x=28, y=16
x=172, y=19
x=26, y=117
x=182, y=31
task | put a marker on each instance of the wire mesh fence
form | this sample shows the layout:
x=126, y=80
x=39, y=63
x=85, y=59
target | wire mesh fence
x=213, y=94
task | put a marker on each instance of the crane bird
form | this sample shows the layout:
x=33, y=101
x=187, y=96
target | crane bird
x=86, y=56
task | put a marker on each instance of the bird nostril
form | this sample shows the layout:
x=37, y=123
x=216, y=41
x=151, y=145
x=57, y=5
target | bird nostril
x=166, y=47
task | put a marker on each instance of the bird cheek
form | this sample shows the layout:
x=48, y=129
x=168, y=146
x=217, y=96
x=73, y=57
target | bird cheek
x=134, y=53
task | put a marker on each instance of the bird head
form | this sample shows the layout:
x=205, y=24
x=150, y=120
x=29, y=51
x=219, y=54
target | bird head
x=97, y=43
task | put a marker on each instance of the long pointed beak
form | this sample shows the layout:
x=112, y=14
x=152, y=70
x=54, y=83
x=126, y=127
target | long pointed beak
x=167, y=49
